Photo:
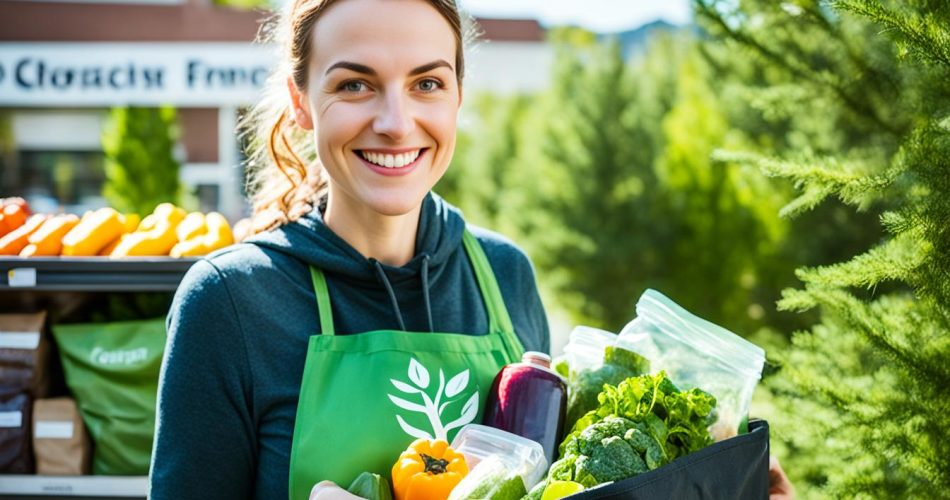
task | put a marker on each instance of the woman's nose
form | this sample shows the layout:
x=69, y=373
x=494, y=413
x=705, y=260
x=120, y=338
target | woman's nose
x=394, y=118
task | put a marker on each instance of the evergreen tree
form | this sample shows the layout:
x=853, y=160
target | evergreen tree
x=140, y=165
x=866, y=389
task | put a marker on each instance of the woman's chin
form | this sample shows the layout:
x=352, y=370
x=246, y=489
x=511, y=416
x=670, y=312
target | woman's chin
x=394, y=204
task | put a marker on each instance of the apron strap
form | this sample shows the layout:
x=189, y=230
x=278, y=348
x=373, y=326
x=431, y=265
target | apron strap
x=498, y=319
x=323, y=301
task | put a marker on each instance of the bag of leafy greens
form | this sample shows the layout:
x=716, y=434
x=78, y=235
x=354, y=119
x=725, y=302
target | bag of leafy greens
x=594, y=359
x=697, y=353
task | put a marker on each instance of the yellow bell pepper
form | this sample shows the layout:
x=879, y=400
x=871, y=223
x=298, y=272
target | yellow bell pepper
x=213, y=234
x=129, y=223
x=155, y=236
x=93, y=233
x=427, y=470
x=192, y=226
x=48, y=239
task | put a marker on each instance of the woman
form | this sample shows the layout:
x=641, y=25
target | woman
x=265, y=390
x=264, y=386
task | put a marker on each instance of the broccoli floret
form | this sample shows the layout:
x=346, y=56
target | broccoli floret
x=613, y=460
x=563, y=469
x=647, y=447
x=538, y=491
x=595, y=434
x=582, y=472
x=615, y=426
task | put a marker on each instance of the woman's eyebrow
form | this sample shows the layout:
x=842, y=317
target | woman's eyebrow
x=429, y=67
x=362, y=68
x=352, y=66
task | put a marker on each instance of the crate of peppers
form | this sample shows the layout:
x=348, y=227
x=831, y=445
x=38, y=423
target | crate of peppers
x=658, y=411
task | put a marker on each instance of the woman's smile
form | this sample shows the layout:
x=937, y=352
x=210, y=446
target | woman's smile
x=391, y=162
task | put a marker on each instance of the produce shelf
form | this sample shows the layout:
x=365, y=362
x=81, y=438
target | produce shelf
x=92, y=274
x=36, y=487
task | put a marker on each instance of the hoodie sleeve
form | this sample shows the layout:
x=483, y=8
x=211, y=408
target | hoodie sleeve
x=205, y=433
x=516, y=278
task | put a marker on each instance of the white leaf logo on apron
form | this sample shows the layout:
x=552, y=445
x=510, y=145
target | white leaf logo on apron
x=433, y=409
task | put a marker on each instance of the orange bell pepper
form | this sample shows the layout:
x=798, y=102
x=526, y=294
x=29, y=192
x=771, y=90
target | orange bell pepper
x=13, y=242
x=47, y=241
x=427, y=470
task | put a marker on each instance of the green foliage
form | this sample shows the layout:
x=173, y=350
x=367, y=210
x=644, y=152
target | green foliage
x=246, y=4
x=867, y=387
x=140, y=166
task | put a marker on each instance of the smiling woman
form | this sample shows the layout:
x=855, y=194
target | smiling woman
x=297, y=343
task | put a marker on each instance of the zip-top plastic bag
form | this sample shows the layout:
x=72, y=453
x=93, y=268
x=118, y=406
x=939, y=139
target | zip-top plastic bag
x=697, y=353
x=594, y=358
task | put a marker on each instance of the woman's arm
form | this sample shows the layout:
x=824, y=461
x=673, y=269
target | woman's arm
x=205, y=433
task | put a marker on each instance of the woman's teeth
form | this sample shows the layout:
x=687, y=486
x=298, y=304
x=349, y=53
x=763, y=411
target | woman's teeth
x=391, y=161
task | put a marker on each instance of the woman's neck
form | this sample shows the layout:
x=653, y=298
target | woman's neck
x=388, y=239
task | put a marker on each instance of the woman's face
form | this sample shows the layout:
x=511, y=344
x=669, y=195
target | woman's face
x=382, y=99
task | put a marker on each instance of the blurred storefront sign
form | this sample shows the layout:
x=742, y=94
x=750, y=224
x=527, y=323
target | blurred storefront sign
x=140, y=74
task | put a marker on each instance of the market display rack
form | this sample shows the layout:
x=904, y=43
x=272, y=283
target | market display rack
x=92, y=274
x=111, y=487
x=65, y=277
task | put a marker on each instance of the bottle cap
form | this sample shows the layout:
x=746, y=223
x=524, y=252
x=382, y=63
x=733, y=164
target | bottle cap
x=536, y=358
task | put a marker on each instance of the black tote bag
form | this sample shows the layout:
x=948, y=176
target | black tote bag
x=734, y=469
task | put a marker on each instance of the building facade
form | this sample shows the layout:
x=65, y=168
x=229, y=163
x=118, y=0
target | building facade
x=64, y=64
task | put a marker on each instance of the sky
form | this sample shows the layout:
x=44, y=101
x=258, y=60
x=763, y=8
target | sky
x=602, y=16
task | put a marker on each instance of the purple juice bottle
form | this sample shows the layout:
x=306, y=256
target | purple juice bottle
x=529, y=399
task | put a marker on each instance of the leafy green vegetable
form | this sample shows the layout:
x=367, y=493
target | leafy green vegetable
x=640, y=424
x=584, y=386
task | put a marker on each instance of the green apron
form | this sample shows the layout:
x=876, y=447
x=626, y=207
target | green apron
x=365, y=397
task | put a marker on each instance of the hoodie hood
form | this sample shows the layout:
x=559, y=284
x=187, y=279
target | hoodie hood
x=309, y=239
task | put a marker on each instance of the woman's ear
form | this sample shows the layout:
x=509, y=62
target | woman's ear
x=299, y=107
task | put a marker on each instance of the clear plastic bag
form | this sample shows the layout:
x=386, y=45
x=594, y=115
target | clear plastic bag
x=697, y=353
x=594, y=358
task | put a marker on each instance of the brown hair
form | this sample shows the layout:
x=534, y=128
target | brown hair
x=284, y=175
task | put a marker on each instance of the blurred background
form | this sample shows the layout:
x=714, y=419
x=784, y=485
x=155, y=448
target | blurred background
x=721, y=152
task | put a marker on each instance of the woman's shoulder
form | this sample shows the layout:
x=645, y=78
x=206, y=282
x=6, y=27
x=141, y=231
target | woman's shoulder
x=502, y=252
x=511, y=264
x=238, y=265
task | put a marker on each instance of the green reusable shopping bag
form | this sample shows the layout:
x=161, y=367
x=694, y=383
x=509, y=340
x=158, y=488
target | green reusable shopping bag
x=112, y=370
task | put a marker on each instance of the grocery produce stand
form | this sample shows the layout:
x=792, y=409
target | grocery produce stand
x=60, y=285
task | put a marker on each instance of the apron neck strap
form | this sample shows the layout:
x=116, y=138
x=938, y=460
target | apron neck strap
x=323, y=301
x=498, y=319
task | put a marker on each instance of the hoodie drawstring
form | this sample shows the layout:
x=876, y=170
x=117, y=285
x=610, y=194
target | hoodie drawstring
x=425, y=291
x=392, y=294
x=389, y=289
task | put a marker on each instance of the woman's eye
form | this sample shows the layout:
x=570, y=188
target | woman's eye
x=429, y=85
x=354, y=86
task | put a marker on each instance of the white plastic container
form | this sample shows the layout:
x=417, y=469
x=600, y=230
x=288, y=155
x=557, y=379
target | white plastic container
x=518, y=455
